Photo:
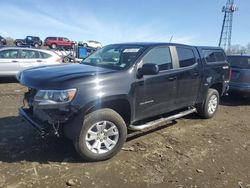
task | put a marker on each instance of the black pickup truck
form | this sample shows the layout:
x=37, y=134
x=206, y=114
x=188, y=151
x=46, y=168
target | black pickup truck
x=123, y=86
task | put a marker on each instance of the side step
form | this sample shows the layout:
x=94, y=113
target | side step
x=161, y=121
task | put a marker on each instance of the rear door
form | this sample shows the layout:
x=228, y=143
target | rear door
x=155, y=94
x=188, y=78
x=9, y=63
x=29, y=58
x=60, y=42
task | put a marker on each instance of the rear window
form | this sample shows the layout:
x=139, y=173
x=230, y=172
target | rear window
x=45, y=55
x=242, y=62
x=212, y=56
x=186, y=57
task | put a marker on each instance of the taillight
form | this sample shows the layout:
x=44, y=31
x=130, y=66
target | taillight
x=59, y=60
x=230, y=74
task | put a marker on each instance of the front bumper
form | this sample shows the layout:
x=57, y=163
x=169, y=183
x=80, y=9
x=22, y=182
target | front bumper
x=27, y=115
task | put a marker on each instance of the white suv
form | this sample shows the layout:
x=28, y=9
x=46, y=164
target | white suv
x=90, y=44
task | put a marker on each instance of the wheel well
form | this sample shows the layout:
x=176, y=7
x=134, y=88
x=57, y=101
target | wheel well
x=121, y=106
x=218, y=87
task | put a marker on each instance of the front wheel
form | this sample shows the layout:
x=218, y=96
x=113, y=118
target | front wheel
x=102, y=135
x=18, y=44
x=210, y=106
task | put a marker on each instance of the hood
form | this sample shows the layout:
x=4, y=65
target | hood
x=57, y=75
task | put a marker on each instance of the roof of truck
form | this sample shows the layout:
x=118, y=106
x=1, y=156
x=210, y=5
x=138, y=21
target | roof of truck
x=151, y=44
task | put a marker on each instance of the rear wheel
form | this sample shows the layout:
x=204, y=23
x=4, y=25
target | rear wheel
x=66, y=59
x=209, y=107
x=53, y=46
x=36, y=45
x=102, y=135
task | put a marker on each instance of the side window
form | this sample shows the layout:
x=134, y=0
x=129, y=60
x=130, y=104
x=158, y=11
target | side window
x=209, y=56
x=160, y=56
x=29, y=54
x=45, y=55
x=186, y=57
x=212, y=56
x=9, y=54
x=219, y=55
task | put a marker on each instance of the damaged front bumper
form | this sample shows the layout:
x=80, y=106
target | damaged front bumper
x=27, y=115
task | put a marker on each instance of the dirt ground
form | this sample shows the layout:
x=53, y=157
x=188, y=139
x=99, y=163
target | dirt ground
x=189, y=152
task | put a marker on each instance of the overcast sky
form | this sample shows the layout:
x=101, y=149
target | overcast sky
x=195, y=22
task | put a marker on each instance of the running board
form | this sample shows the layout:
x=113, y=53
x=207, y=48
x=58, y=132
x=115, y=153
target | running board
x=161, y=121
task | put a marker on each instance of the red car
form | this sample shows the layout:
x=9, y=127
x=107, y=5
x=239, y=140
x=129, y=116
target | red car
x=54, y=42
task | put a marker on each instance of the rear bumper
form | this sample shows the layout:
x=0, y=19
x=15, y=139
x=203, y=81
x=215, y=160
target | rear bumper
x=27, y=115
x=240, y=88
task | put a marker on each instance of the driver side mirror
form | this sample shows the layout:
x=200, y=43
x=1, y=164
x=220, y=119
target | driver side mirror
x=148, y=69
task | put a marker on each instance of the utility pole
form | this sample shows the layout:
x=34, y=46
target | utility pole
x=226, y=31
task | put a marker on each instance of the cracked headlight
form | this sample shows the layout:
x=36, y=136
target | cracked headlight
x=50, y=97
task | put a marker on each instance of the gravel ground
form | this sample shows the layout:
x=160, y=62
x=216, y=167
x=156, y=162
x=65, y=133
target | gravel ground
x=189, y=152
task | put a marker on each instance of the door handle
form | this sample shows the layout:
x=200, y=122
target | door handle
x=14, y=61
x=39, y=61
x=195, y=74
x=172, y=78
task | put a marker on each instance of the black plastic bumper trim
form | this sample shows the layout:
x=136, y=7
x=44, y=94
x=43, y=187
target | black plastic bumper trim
x=29, y=119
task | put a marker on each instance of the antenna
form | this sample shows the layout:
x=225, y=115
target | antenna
x=226, y=31
x=170, y=40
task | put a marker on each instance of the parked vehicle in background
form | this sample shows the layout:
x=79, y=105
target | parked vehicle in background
x=54, y=42
x=90, y=44
x=240, y=81
x=2, y=41
x=123, y=86
x=14, y=59
x=29, y=41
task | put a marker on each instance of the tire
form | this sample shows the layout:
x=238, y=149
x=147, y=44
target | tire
x=18, y=44
x=66, y=59
x=88, y=149
x=53, y=46
x=210, y=105
x=36, y=45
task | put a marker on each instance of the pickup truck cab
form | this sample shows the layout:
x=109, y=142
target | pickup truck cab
x=123, y=86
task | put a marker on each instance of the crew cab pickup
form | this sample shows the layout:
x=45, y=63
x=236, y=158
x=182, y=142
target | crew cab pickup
x=123, y=86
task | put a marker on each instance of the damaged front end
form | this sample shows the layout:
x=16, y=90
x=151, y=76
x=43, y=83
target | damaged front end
x=47, y=110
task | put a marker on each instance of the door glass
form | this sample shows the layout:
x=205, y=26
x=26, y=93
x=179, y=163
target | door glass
x=9, y=54
x=209, y=56
x=29, y=54
x=186, y=57
x=160, y=56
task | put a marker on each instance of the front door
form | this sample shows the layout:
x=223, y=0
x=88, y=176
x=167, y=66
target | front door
x=155, y=94
x=9, y=63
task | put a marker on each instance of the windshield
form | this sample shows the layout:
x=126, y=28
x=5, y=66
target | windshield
x=242, y=62
x=116, y=57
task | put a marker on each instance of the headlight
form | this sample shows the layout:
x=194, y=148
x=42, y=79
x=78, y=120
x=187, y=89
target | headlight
x=50, y=97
